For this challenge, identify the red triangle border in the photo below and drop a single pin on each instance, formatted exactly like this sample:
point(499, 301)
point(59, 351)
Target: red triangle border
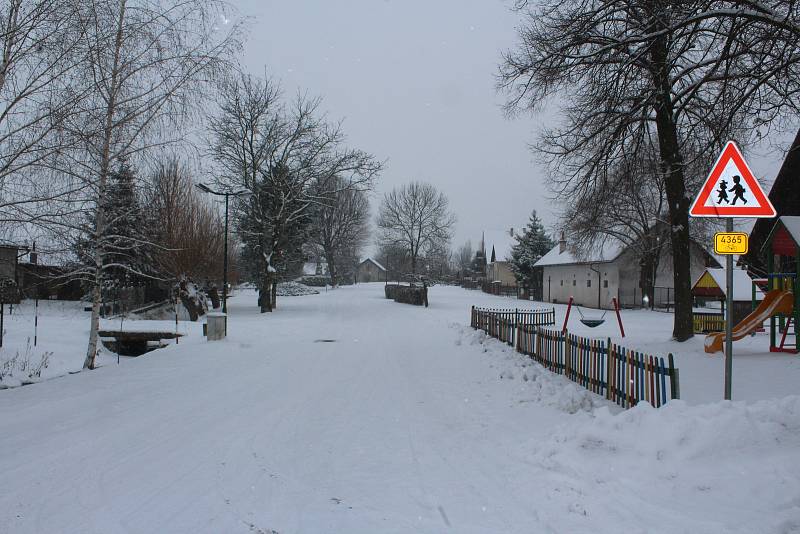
point(764, 208)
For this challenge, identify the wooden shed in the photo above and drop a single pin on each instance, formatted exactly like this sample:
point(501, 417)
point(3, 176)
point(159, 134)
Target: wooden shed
point(370, 270)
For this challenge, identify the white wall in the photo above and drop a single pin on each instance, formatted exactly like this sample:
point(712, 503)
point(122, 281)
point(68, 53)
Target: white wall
point(571, 280)
point(629, 275)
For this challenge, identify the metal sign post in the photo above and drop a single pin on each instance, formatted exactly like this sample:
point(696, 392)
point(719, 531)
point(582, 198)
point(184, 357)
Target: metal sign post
point(728, 316)
point(730, 191)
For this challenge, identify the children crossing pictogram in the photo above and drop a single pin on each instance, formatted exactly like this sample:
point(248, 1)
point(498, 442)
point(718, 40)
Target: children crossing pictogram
point(731, 190)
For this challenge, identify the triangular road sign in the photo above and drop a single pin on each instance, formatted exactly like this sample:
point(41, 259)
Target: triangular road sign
point(731, 190)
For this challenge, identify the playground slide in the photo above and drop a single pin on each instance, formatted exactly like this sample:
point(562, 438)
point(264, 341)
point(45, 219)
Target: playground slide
point(775, 302)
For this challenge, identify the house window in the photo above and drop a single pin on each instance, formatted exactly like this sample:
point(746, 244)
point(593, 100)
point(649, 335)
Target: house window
point(573, 283)
point(562, 283)
point(605, 283)
point(588, 283)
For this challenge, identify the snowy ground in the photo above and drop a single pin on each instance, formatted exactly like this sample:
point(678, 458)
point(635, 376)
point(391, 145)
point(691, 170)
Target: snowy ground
point(63, 334)
point(408, 422)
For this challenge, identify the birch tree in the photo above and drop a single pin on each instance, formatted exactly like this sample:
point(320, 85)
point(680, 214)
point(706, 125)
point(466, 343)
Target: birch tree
point(41, 45)
point(145, 67)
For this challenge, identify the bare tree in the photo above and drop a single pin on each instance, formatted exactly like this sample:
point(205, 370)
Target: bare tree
point(289, 159)
point(416, 218)
point(395, 260)
point(464, 257)
point(688, 74)
point(341, 226)
point(630, 209)
point(145, 66)
point(187, 230)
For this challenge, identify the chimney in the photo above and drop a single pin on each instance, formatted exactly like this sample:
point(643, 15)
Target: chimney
point(562, 243)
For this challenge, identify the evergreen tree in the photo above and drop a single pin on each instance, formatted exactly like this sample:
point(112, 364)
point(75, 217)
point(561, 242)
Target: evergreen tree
point(126, 253)
point(531, 245)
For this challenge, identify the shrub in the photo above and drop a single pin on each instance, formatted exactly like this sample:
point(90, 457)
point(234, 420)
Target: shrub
point(315, 280)
point(26, 369)
point(411, 295)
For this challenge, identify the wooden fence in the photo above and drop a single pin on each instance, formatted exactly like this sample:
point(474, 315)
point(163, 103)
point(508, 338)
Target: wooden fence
point(619, 374)
point(496, 288)
point(704, 323)
point(502, 323)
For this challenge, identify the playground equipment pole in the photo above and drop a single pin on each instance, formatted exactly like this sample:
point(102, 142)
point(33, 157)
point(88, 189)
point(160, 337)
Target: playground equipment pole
point(566, 317)
point(728, 315)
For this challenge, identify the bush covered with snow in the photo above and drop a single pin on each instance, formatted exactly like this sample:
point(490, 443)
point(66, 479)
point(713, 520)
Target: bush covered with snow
point(315, 280)
point(294, 289)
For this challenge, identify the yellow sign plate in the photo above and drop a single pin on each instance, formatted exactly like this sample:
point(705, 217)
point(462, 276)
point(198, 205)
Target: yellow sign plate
point(730, 243)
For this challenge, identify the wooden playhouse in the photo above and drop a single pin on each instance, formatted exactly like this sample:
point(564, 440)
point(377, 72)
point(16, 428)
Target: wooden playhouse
point(782, 249)
point(711, 286)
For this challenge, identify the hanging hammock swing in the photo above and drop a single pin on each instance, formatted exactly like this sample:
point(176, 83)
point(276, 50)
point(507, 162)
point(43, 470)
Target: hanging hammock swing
point(592, 323)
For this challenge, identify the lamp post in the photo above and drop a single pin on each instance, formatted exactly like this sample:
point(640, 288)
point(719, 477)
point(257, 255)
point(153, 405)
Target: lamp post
point(226, 194)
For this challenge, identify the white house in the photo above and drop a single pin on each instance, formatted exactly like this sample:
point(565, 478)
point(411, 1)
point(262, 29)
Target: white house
point(613, 271)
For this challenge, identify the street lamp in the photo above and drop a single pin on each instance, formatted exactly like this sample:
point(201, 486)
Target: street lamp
point(226, 194)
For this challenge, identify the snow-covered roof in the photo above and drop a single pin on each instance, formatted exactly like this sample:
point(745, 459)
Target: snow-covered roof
point(742, 284)
point(608, 252)
point(792, 225)
point(378, 265)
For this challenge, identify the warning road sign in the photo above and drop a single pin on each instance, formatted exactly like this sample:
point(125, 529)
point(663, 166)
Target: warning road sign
point(731, 190)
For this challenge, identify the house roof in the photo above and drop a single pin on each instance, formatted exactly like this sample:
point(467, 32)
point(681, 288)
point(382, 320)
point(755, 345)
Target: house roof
point(378, 265)
point(608, 252)
point(742, 284)
point(791, 223)
point(785, 196)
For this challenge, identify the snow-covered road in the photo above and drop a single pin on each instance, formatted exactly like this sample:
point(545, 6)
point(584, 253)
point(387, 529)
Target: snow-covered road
point(406, 422)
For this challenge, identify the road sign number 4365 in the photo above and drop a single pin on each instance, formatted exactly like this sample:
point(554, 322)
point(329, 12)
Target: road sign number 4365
point(730, 243)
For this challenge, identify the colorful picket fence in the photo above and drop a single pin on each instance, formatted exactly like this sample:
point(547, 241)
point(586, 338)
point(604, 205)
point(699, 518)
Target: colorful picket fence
point(619, 374)
point(502, 323)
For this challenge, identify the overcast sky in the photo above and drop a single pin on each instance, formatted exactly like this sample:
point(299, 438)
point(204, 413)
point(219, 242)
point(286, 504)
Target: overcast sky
point(414, 82)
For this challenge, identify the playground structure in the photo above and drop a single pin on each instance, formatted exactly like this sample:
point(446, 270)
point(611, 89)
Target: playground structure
point(711, 286)
point(593, 322)
point(780, 305)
